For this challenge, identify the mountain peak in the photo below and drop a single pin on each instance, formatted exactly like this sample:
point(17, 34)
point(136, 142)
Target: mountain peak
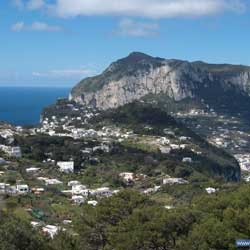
point(138, 56)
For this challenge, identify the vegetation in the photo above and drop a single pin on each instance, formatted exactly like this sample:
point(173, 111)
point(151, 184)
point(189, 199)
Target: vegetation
point(129, 220)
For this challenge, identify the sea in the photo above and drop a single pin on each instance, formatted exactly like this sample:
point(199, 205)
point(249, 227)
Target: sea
point(22, 106)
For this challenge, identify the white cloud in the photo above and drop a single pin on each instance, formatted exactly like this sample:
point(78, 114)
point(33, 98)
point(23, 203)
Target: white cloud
point(65, 73)
point(18, 26)
point(144, 8)
point(35, 4)
point(30, 4)
point(18, 3)
point(35, 26)
point(129, 27)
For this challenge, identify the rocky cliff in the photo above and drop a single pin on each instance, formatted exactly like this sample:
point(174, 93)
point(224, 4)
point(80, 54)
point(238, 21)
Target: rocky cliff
point(139, 75)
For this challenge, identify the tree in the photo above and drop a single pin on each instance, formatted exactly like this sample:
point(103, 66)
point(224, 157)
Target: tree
point(16, 234)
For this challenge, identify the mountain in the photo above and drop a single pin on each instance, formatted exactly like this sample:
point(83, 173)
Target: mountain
point(221, 86)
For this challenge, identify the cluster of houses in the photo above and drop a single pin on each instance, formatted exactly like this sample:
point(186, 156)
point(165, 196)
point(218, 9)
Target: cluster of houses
point(67, 129)
point(81, 194)
point(18, 189)
point(11, 151)
point(196, 113)
point(244, 161)
point(166, 144)
point(222, 131)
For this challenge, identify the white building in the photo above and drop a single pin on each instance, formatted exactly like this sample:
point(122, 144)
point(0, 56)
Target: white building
point(66, 166)
point(78, 189)
point(172, 181)
point(3, 187)
point(210, 190)
point(35, 224)
point(32, 170)
point(15, 152)
point(78, 199)
point(92, 203)
point(102, 192)
point(22, 189)
point(174, 146)
point(11, 151)
point(165, 150)
point(50, 230)
point(73, 183)
point(187, 160)
point(127, 176)
point(2, 161)
point(52, 182)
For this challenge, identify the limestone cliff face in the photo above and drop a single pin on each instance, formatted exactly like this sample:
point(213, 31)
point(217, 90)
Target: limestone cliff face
point(138, 75)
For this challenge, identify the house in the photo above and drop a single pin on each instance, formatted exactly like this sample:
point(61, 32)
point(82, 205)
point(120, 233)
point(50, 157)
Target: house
point(2, 161)
point(15, 152)
point(172, 181)
point(163, 141)
point(103, 148)
point(35, 224)
point(11, 190)
point(174, 146)
point(50, 230)
point(52, 182)
point(3, 187)
point(78, 199)
point(247, 179)
point(85, 192)
point(37, 190)
point(73, 183)
point(187, 160)
point(165, 150)
point(66, 222)
point(22, 188)
point(32, 170)
point(102, 192)
point(92, 202)
point(127, 176)
point(78, 189)
point(66, 166)
point(148, 191)
point(210, 190)
point(169, 207)
point(183, 138)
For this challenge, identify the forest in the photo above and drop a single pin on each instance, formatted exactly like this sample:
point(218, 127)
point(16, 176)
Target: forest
point(130, 220)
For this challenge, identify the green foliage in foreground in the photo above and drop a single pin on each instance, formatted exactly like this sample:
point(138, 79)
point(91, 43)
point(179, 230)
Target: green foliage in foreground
point(132, 221)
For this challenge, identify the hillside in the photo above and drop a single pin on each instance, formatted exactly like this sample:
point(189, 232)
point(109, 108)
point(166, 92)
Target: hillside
point(140, 130)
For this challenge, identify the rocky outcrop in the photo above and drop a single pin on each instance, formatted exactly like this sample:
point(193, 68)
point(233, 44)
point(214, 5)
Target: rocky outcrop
point(138, 75)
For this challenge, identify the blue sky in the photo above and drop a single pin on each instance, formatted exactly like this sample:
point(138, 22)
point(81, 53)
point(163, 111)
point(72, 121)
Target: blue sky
point(59, 42)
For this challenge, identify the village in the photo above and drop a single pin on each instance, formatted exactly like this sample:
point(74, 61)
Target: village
point(227, 132)
point(42, 190)
point(33, 185)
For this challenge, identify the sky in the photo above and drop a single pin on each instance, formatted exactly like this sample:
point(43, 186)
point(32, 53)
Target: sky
point(57, 43)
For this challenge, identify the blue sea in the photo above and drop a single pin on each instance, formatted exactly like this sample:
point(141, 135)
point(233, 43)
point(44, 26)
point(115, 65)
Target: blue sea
point(23, 105)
